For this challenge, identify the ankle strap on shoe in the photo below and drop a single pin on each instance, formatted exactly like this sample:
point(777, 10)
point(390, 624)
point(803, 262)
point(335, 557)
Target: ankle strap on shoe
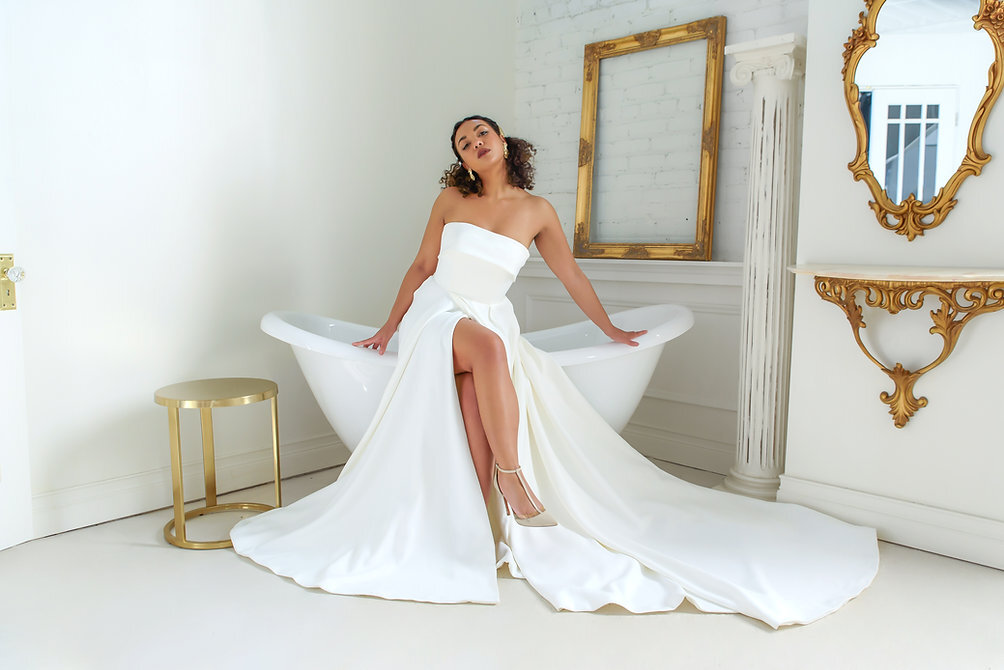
point(508, 472)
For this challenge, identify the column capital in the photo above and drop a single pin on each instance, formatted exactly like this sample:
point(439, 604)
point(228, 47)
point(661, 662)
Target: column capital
point(780, 56)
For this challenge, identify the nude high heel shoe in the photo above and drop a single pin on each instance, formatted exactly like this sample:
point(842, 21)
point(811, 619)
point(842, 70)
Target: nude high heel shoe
point(539, 520)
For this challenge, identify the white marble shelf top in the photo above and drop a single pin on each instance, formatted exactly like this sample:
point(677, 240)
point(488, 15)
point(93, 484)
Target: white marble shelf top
point(901, 273)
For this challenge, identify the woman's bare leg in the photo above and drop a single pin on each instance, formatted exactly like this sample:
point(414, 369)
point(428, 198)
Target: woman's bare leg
point(478, 350)
point(481, 451)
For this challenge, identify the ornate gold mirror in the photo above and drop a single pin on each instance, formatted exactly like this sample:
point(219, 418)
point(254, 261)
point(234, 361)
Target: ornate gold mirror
point(916, 84)
point(648, 149)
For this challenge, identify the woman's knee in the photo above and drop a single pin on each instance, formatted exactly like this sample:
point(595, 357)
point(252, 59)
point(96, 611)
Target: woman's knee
point(491, 350)
point(479, 346)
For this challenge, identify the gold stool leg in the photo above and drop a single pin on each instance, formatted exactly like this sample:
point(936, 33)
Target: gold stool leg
point(208, 455)
point(275, 450)
point(178, 488)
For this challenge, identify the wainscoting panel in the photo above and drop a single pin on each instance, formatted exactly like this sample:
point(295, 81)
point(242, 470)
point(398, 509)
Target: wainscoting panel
point(689, 413)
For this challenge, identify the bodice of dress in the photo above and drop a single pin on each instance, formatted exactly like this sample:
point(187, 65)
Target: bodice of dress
point(477, 264)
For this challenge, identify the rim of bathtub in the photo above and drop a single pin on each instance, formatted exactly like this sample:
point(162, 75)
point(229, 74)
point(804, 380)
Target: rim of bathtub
point(582, 341)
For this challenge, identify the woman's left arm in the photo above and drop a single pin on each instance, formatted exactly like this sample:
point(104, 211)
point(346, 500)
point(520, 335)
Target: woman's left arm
point(553, 248)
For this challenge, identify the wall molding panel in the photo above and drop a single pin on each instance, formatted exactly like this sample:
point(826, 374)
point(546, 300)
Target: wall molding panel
point(686, 399)
point(689, 414)
point(97, 502)
point(679, 448)
point(713, 273)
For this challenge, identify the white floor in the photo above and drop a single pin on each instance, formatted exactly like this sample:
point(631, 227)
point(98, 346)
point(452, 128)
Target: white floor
point(118, 596)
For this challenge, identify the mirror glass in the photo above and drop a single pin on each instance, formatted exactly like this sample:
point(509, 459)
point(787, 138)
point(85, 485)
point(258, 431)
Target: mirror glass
point(648, 145)
point(920, 88)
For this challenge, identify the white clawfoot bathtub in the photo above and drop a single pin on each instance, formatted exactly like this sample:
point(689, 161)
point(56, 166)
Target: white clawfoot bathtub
point(348, 382)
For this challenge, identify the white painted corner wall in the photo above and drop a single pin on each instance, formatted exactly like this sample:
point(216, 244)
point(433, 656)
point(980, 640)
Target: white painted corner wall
point(179, 168)
point(934, 483)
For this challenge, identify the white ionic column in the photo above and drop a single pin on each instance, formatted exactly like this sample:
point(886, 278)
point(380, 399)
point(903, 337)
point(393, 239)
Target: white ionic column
point(775, 66)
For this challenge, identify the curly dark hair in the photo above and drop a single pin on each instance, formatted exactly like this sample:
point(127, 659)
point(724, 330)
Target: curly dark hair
point(519, 164)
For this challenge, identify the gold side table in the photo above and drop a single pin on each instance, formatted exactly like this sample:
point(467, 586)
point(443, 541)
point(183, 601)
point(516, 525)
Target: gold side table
point(205, 394)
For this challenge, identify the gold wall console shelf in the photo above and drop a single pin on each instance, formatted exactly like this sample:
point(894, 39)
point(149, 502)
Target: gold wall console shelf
point(906, 112)
point(963, 293)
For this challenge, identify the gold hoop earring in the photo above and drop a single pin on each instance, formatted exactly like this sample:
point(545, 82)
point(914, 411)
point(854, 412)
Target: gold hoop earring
point(471, 173)
point(505, 148)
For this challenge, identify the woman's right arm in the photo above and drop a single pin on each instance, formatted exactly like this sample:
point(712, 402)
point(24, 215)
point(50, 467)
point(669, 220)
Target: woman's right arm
point(421, 269)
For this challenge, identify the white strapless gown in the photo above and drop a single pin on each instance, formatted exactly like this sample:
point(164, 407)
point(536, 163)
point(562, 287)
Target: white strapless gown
point(405, 519)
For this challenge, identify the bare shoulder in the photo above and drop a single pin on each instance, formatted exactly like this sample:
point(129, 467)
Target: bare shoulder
point(537, 206)
point(542, 212)
point(450, 194)
point(446, 200)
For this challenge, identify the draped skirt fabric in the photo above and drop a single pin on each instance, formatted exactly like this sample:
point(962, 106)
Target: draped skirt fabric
point(406, 520)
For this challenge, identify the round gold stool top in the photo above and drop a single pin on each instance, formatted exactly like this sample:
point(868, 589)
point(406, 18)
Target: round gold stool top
point(204, 395)
point(227, 392)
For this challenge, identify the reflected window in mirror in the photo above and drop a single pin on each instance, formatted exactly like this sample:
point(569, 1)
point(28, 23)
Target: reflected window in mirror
point(906, 145)
point(930, 68)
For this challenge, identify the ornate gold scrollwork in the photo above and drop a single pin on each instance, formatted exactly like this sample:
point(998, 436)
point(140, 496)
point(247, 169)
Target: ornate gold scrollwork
point(912, 217)
point(960, 302)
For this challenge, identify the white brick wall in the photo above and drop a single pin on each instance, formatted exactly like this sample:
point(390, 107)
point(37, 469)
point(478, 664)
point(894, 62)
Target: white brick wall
point(648, 145)
point(550, 38)
point(688, 415)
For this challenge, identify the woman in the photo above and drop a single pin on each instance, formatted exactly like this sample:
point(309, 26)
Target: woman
point(413, 514)
point(486, 188)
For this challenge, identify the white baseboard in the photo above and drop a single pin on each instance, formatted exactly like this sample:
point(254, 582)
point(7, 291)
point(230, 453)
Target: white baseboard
point(689, 450)
point(88, 504)
point(966, 536)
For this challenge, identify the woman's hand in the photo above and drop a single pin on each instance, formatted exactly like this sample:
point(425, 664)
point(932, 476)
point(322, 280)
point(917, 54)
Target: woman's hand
point(378, 341)
point(624, 336)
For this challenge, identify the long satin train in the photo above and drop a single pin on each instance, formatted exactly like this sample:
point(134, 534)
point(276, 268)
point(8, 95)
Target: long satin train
point(406, 520)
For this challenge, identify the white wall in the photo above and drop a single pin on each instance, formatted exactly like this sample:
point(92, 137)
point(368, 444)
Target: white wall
point(180, 168)
point(932, 484)
point(15, 488)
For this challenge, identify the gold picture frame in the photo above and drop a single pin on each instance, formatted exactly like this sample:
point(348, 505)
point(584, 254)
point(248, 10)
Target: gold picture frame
point(585, 244)
point(912, 217)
